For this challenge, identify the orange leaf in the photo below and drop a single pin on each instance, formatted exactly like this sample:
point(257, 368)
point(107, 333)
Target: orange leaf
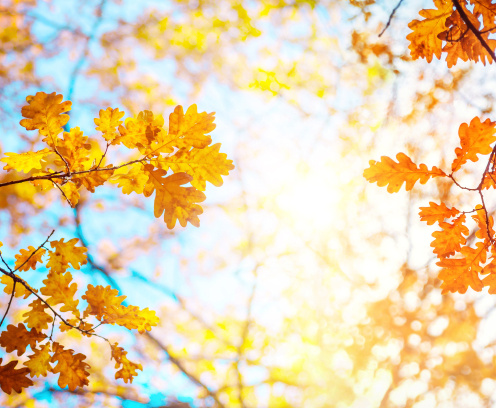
point(93, 179)
point(128, 370)
point(44, 113)
point(39, 362)
point(20, 290)
point(436, 213)
point(13, 379)
point(74, 147)
point(389, 173)
point(25, 255)
point(71, 367)
point(449, 240)
point(108, 122)
point(66, 253)
point(60, 291)
point(99, 298)
point(37, 317)
point(18, 338)
point(475, 139)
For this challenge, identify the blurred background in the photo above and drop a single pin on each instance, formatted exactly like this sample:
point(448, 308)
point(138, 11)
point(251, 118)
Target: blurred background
point(304, 286)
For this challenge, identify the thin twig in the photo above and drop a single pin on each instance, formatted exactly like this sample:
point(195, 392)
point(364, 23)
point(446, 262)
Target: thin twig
point(10, 302)
point(391, 18)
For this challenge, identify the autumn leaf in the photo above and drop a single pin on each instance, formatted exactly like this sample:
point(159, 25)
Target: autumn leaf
point(71, 367)
point(475, 139)
point(174, 201)
point(202, 164)
point(66, 253)
point(45, 113)
point(450, 238)
point(460, 273)
point(28, 258)
point(71, 191)
point(132, 181)
point(12, 378)
point(140, 131)
point(126, 316)
point(18, 338)
point(148, 319)
point(389, 173)
point(487, 10)
point(424, 41)
point(99, 298)
point(20, 289)
point(108, 122)
point(60, 291)
point(436, 213)
point(25, 162)
point(93, 179)
point(37, 318)
point(39, 362)
point(84, 326)
point(485, 223)
point(128, 370)
point(74, 148)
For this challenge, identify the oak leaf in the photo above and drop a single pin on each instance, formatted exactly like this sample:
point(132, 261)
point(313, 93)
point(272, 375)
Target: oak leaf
point(172, 200)
point(128, 370)
point(436, 213)
point(148, 319)
point(71, 367)
point(460, 273)
point(93, 179)
point(20, 289)
point(475, 139)
point(39, 362)
point(450, 239)
point(99, 298)
point(25, 162)
point(28, 258)
point(486, 9)
point(45, 113)
point(84, 326)
point(37, 318)
point(202, 164)
point(74, 147)
point(18, 338)
point(140, 131)
point(108, 121)
point(12, 378)
point(424, 41)
point(66, 253)
point(60, 291)
point(132, 181)
point(389, 173)
point(71, 192)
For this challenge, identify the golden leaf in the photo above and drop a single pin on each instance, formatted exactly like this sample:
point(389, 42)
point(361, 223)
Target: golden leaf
point(424, 41)
point(74, 147)
point(389, 173)
point(202, 164)
point(450, 238)
point(93, 179)
point(20, 289)
point(60, 291)
point(134, 180)
point(71, 367)
point(25, 162)
point(13, 379)
point(45, 113)
point(108, 122)
point(436, 213)
point(66, 253)
point(174, 201)
point(71, 191)
point(474, 139)
point(18, 338)
point(25, 254)
point(39, 362)
point(37, 318)
point(99, 298)
point(128, 370)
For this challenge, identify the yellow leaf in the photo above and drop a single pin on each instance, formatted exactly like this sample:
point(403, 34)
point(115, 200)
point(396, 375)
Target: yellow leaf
point(174, 201)
point(25, 162)
point(134, 180)
point(24, 260)
point(71, 367)
point(148, 319)
point(74, 147)
point(71, 192)
point(66, 253)
point(60, 291)
point(45, 113)
point(20, 290)
point(93, 179)
point(108, 122)
point(140, 131)
point(128, 370)
point(99, 298)
point(389, 173)
point(474, 139)
point(202, 164)
point(424, 41)
point(18, 338)
point(13, 379)
point(39, 362)
point(37, 317)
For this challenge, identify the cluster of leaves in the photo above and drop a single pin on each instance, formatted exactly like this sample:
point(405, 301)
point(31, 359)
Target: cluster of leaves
point(459, 28)
point(184, 148)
